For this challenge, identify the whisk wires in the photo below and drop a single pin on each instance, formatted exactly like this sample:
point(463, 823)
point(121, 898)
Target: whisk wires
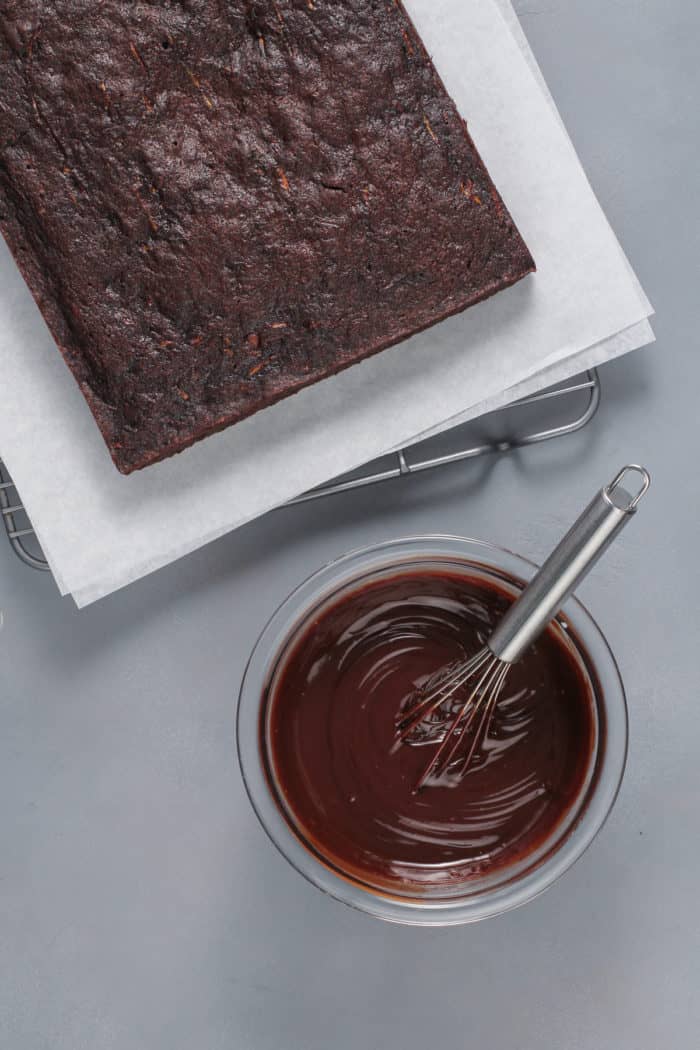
point(469, 727)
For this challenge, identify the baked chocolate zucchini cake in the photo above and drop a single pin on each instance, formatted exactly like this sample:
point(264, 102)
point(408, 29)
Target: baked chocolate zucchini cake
point(218, 202)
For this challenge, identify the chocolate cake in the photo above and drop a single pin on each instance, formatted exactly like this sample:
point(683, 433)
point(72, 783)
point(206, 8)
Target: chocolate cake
point(218, 202)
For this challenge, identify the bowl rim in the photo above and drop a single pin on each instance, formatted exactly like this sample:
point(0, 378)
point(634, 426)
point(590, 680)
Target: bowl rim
point(280, 628)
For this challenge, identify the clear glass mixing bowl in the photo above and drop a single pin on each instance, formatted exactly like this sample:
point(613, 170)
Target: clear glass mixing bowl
point(482, 896)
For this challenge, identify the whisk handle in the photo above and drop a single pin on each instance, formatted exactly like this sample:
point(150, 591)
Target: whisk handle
point(599, 525)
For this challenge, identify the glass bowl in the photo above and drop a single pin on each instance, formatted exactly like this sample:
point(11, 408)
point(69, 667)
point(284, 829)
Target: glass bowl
point(484, 895)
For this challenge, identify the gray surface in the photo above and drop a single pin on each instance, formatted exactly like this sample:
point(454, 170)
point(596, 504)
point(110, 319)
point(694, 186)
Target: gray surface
point(140, 904)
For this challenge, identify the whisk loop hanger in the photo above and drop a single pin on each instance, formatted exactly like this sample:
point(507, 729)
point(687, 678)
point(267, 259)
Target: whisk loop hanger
point(485, 674)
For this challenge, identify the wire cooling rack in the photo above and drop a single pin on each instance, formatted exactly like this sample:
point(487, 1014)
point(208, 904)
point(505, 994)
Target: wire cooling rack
point(578, 398)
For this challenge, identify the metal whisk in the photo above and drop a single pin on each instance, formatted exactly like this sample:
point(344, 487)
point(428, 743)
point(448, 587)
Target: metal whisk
point(485, 674)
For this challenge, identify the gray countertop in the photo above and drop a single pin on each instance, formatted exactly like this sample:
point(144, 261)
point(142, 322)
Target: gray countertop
point(141, 906)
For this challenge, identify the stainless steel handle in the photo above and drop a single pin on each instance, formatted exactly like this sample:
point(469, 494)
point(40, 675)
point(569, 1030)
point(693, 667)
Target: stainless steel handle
point(600, 524)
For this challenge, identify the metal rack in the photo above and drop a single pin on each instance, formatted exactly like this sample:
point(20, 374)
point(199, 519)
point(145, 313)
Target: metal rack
point(402, 463)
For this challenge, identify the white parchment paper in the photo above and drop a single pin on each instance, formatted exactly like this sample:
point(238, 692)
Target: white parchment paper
point(101, 530)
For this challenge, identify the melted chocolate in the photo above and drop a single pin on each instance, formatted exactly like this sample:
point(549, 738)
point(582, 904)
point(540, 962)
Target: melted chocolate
point(330, 740)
